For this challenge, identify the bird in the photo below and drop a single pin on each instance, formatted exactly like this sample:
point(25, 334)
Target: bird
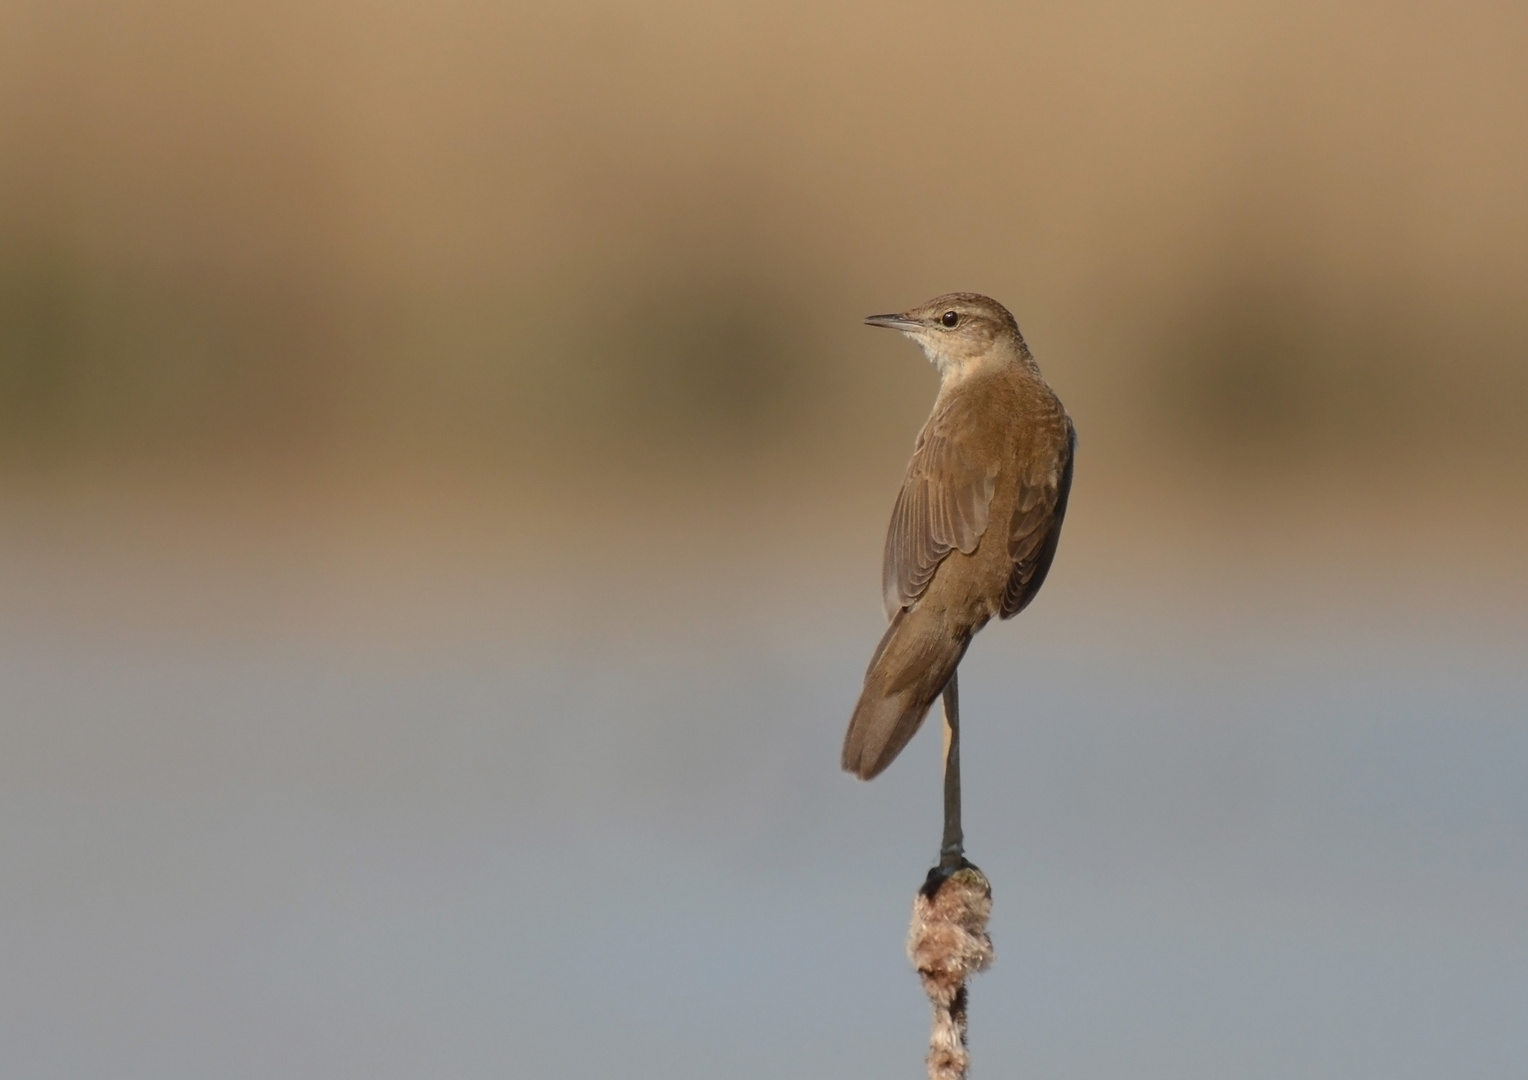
point(974, 528)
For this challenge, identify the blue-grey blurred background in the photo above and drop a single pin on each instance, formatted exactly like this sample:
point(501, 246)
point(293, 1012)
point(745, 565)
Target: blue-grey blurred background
point(442, 480)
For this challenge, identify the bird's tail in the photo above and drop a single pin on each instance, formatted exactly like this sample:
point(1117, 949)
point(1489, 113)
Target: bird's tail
point(914, 660)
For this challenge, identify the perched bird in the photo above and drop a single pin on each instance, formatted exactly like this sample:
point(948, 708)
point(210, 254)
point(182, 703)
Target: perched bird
point(975, 525)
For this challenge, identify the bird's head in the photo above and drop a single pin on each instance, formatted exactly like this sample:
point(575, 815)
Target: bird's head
point(959, 332)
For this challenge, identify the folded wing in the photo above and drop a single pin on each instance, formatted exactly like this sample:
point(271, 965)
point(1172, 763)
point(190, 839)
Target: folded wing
point(1035, 527)
point(944, 505)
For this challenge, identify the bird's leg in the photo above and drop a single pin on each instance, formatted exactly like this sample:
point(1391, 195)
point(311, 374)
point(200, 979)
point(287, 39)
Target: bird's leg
point(952, 848)
point(948, 941)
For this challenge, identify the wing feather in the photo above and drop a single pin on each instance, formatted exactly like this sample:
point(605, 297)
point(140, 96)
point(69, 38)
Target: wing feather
point(944, 506)
point(1035, 528)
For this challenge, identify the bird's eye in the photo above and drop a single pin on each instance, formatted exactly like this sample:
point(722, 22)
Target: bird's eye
point(950, 319)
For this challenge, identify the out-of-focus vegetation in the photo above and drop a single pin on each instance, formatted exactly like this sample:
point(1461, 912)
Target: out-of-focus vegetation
point(442, 485)
point(1256, 241)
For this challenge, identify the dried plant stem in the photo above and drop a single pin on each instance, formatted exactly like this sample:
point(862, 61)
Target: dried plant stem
point(948, 940)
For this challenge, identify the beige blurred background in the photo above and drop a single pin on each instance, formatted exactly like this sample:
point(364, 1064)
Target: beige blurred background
point(434, 427)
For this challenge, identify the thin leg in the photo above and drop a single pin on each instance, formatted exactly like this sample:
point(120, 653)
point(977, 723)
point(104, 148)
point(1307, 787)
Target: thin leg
point(952, 849)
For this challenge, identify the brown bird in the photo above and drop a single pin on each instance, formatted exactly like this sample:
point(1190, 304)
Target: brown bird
point(975, 525)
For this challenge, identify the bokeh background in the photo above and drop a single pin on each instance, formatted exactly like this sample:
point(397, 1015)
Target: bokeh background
point(442, 480)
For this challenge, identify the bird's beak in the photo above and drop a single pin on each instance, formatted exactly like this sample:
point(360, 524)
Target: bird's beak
point(894, 322)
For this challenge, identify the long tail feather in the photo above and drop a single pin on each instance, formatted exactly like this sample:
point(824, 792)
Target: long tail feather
point(911, 666)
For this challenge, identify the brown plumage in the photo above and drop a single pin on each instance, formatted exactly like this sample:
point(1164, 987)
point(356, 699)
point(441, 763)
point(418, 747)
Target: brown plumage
point(976, 523)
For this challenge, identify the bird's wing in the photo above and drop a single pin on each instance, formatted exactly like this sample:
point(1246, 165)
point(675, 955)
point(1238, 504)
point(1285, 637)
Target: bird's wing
point(944, 504)
point(1035, 527)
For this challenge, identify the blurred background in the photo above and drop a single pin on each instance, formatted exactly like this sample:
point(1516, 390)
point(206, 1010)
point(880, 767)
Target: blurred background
point(442, 482)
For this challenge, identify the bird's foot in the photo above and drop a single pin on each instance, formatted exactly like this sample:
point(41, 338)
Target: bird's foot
point(950, 864)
